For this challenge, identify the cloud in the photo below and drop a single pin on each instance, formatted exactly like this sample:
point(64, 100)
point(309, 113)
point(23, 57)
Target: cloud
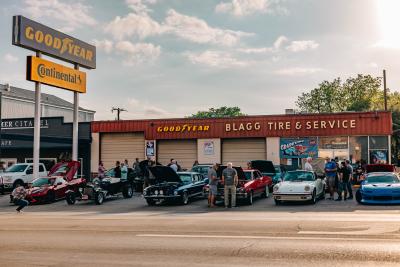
point(297, 71)
point(143, 109)
point(136, 25)
point(280, 41)
point(10, 58)
point(137, 53)
point(297, 46)
point(262, 50)
point(198, 31)
point(140, 6)
point(73, 15)
point(155, 111)
point(241, 8)
point(105, 45)
point(218, 59)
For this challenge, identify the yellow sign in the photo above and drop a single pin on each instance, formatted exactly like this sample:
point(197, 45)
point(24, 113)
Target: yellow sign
point(183, 128)
point(47, 72)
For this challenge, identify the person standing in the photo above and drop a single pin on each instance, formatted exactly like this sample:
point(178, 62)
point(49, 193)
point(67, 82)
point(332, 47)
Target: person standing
point(307, 165)
point(117, 169)
point(174, 166)
point(196, 162)
point(124, 172)
point(230, 181)
point(101, 170)
point(349, 184)
point(343, 179)
point(126, 163)
point(19, 195)
point(330, 173)
point(213, 185)
point(136, 166)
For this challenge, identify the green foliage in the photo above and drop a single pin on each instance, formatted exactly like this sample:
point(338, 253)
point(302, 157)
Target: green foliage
point(219, 113)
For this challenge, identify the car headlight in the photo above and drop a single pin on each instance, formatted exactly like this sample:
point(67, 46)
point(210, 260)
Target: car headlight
point(307, 188)
point(276, 188)
point(161, 192)
point(175, 193)
point(156, 192)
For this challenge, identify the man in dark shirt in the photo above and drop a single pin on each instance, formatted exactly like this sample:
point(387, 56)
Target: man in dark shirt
point(343, 179)
point(117, 170)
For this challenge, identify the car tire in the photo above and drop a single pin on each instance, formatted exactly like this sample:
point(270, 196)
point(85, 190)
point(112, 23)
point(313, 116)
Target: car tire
point(250, 198)
point(314, 197)
point(358, 197)
point(127, 192)
point(99, 198)
point(70, 198)
point(50, 197)
point(266, 192)
point(277, 202)
point(150, 202)
point(17, 183)
point(185, 198)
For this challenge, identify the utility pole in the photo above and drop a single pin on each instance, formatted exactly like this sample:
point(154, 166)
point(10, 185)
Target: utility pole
point(119, 110)
point(384, 89)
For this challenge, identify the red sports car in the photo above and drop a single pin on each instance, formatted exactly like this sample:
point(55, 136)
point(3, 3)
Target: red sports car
point(53, 187)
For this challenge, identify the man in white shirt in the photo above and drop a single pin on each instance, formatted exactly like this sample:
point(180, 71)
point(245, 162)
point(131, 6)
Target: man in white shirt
point(308, 166)
point(174, 166)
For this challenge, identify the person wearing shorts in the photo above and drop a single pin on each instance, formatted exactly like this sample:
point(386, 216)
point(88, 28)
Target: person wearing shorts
point(330, 173)
point(213, 185)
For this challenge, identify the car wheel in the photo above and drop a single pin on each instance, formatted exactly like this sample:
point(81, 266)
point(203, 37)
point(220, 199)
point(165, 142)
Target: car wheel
point(358, 197)
point(277, 202)
point(17, 184)
point(70, 198)
point(185, 198)
point(150, 202)
point(266, 192)
point(99, 198)
point(51, 197)
point(127, 192)
point(314, 197)
point(250, 198)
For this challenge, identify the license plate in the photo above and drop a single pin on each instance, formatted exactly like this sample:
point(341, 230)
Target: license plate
point(85, 197)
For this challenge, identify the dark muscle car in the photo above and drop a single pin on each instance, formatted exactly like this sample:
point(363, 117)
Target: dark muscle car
point(169, 185)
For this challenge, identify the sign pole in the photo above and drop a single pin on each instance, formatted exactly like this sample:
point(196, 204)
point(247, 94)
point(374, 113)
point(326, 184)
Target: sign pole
point(75, 123)
point(36, 132)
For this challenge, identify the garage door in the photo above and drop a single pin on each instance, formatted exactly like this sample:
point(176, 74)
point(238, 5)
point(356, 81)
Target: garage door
point(240, 151)
point(121, 146)
point(184, 151)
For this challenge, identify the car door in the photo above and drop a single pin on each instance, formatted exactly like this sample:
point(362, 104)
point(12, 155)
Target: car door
point(265, 181)
point(199, 183)
point(28, 174)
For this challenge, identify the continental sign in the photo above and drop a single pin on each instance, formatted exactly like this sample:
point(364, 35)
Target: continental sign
point(47, 72)
point(38, 37)
point(183, 128)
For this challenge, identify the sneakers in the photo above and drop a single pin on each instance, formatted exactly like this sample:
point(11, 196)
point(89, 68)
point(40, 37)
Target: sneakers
point(350, 197)
point(338, 199)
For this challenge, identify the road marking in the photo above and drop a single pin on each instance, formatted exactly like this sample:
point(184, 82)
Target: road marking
point(267, 237)
point(372, 230)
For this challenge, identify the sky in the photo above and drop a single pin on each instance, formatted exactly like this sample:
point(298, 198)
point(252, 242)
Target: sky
point(171, 58)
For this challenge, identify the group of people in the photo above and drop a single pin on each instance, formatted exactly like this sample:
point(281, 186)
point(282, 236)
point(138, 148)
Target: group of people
point(229, 179)
point(121, 169)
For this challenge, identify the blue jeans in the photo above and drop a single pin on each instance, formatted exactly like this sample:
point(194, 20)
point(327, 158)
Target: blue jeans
point(21, 203)
point(349, 188)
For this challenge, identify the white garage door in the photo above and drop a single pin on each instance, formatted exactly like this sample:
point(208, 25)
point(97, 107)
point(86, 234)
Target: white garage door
point(121, 146)
point(240, 151)
point(184, 151)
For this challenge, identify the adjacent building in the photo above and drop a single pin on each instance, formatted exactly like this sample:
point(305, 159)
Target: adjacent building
point(284, 139)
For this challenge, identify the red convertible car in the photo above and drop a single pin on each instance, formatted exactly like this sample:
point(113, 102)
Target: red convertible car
point(54, 186)
point(251, 184)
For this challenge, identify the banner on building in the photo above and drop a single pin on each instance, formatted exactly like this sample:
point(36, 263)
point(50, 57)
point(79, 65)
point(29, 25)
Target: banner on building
point(150, 148)
point(208, 148)
point(298, 148)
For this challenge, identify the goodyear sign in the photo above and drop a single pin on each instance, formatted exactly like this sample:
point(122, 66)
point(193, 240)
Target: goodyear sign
point(47, 72)
point(38, 37)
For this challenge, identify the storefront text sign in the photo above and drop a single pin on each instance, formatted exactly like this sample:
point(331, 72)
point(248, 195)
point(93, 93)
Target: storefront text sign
point(183, 128)
point(47, 72)
point(22, 124)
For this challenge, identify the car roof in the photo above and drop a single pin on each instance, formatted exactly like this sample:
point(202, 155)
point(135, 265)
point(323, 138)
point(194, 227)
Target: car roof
point(188, 173)
point(380, 173)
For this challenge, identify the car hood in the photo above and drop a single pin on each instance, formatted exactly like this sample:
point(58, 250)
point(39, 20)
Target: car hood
point(11, 174)
point(380, 168)
point(38, 189)
point(73, 167)
point(381, 186)
point(294, 187)
point(264, 166)
point(165, 174)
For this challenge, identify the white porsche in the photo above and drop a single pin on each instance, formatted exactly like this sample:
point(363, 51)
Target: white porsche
point(299, 186)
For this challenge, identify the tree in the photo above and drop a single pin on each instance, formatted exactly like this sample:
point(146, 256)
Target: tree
point(355, 94)
point(219, 113)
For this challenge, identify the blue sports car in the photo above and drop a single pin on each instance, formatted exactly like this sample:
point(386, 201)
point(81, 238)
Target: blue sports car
point(379, 188)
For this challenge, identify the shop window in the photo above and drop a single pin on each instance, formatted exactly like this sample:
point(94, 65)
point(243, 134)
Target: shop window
point(378, 142)
point(358, 148)
point(338, 142)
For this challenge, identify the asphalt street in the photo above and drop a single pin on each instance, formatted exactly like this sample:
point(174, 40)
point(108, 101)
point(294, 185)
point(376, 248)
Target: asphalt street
point(127, 232)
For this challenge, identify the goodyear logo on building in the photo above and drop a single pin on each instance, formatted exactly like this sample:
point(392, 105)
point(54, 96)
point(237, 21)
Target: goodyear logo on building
point(35, 36)
point(183, 128)
point(47, 72)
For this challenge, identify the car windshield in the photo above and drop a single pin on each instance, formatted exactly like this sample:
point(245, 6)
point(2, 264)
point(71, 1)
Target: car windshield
point(383, 179)
point(17, 168)
point(247, 175)
point(42, 181)
point(277, 169)
point(298, 176)
point(62, 170)
point(186, 178)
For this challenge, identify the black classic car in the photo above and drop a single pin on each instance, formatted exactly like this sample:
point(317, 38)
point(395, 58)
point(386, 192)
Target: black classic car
point(169, 185)
point(100, 189)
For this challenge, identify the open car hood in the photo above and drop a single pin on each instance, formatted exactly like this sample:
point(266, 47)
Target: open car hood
point(238, 169)
point(380, 168)
point(165, 174)
point(65, 169)
point(264, 166)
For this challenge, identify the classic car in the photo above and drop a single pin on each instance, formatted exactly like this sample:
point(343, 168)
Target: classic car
point(380, 185)
point(299, 186)
point(101, 189)
point(267, 168)
point(54, 187)
point(169, 185)
point(251, 183)
point(202, 169)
